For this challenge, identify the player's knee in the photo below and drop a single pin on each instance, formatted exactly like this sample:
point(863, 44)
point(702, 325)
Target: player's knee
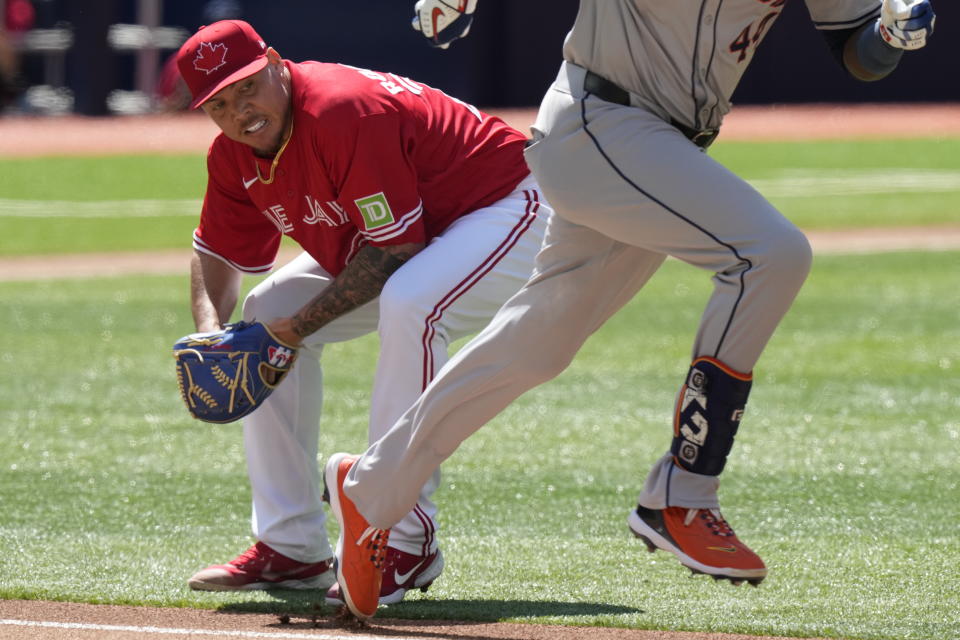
point(279, 296)
point(543, 365)
point(253, 304)
point(777, 262)
point(405, 309)
point(793, 255)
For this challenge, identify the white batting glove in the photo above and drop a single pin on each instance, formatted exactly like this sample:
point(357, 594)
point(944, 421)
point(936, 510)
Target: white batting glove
point(443, 21)
point(906, 24)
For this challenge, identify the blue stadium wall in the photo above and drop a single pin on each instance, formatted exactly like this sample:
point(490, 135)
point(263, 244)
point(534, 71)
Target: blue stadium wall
point(514, 49)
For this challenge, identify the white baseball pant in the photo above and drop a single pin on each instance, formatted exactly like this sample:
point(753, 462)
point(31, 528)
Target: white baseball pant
point(447, 291)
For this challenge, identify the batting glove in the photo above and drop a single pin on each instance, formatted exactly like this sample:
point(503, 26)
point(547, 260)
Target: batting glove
point(906, 24)
point(443, 21)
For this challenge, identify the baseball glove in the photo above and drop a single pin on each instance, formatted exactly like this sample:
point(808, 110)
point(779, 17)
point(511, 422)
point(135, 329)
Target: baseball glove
point(224, 375)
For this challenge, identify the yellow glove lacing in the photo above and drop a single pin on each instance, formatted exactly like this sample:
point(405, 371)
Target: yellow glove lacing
point(238, 382)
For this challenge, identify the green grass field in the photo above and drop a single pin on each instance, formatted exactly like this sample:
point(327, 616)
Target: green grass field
point(57, 205)
point(844, 477)
point(845, 474)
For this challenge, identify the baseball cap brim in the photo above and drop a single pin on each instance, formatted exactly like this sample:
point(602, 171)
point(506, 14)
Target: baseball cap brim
point(239, 74)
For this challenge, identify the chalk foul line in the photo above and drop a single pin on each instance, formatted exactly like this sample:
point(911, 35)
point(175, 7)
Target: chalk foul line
point(190, 632)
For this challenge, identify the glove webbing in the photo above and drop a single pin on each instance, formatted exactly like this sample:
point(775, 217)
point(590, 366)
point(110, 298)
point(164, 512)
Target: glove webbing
point(240, 381)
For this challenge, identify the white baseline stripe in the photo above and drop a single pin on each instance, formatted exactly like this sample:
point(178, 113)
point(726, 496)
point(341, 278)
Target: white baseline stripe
point(168, 631)
point(99, 209)
point(790, 183)
point(797, 183)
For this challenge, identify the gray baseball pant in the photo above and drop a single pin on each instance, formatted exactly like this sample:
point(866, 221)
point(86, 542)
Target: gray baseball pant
point(627, 189)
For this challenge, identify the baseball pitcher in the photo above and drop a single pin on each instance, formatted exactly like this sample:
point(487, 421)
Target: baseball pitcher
point(418, 218)
point(619, 151)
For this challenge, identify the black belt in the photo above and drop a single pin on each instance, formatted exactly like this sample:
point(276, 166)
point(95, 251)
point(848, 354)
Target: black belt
point(608, 91)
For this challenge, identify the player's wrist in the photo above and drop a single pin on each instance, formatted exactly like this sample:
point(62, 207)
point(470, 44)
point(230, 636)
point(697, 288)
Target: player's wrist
point(874, 54)
point(879, 43)
point(282, 330)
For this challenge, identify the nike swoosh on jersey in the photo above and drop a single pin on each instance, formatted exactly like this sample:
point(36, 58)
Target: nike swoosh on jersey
point(401, 578)
point(249, 183)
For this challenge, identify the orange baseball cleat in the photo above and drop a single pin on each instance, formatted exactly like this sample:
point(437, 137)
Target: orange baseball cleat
point(361, 549)
point(402, 572)
point(701, 539)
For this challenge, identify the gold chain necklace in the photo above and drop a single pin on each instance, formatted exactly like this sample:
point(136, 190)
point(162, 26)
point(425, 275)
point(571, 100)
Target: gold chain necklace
point(276, 159)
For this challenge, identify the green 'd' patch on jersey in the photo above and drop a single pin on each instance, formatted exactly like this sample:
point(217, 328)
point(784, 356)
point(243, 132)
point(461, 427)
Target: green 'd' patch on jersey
point(375, 211)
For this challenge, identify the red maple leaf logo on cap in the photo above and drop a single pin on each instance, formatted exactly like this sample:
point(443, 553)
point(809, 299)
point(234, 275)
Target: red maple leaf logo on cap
point(210, 57)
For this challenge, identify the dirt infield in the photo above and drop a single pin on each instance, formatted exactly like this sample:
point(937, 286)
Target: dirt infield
point(33, 620)
point(21, 137)
point(174, 262)
point(193, 132)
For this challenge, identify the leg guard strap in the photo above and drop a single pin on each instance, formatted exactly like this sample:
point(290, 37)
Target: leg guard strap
point(709, 407)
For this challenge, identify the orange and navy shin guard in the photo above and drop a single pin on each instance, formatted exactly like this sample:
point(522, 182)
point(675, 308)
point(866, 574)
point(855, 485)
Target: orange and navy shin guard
point(709, 408)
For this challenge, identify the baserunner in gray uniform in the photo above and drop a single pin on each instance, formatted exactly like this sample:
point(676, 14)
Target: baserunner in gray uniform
point(619, 150)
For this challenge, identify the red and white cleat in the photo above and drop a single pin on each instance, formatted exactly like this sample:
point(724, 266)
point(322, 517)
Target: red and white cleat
point(260, 567)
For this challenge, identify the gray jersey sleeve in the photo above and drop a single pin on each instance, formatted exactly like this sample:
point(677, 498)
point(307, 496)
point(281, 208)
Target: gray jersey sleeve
point(831, 15)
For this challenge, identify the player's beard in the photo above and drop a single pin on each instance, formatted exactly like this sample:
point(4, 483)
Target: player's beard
point(286, 130)
point(282, 135)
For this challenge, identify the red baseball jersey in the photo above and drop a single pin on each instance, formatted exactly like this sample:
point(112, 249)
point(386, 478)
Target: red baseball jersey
point(374, 158)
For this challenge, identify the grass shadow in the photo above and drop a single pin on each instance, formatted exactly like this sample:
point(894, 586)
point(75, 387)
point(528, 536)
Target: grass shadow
point(496, 610)
point(298, 603)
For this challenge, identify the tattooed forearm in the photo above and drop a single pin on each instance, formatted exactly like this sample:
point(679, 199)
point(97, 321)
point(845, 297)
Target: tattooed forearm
point(360, 282)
